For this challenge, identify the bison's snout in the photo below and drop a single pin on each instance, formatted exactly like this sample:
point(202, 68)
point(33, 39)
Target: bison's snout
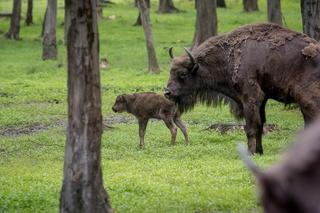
point(114, 109)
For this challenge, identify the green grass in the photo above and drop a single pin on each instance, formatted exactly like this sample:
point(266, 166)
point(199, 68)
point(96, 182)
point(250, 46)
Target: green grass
point(204, 177)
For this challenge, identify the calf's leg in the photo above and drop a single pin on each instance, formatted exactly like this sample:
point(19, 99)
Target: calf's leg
point(142, 130)
point(183, 128)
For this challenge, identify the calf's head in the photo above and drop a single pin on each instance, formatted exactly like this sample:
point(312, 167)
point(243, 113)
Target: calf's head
point(184, 80)
point(120, 105)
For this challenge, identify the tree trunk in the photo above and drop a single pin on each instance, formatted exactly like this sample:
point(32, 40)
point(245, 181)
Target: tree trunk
point(49, 36)
point(145, 19)
point(99, 10)
point(44, 22)
point(167, 6)
point(221, 3)
point(250, 5)
point(138, 21)
point(14, 30)
point(206, 21)
point(82, 189)
point(29, 19)
point(310, 10)
point(274, 11)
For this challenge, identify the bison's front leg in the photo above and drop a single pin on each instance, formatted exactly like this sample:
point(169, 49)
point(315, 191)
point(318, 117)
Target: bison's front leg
point(254, 124)
point(142, 130)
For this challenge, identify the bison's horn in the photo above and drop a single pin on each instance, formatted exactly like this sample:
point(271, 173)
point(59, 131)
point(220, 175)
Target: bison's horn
point(193, 61)
point(244, 154)
point(171, 53)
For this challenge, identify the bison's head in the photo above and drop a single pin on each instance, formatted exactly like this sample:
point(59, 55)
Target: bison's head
point(183, 81)
point(120, 105)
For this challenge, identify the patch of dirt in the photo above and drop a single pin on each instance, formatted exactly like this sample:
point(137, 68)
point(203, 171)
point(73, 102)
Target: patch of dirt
point(14, 131)
point(225, 128)
point(118, 119)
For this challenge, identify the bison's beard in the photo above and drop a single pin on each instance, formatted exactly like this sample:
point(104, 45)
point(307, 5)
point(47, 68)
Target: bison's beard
point(186, 103)
point(210, 98)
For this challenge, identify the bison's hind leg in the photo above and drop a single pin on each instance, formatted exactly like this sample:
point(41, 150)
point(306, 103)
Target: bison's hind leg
point(177, 120)
point(167, 117)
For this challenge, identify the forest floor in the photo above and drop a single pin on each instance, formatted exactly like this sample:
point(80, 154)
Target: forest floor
point(206, 176)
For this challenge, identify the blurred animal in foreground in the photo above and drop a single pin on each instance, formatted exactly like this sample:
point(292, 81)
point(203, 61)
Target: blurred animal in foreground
point(151, 105)
point(245, 68)
point(293, 185)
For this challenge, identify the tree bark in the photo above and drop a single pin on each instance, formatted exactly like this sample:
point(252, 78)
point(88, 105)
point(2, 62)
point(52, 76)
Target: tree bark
point(145, 19)
point(29, 19)
point(274, 11)
point(206, 21)
point(138, 21)
point(82, 189)
point(310, 10)
point(250, 5)
point(14, 29)
point(167, 6)
point(49, 36)
point(221, 3)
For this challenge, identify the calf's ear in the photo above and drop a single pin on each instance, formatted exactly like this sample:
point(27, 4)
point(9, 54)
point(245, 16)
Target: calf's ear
point(123, 98)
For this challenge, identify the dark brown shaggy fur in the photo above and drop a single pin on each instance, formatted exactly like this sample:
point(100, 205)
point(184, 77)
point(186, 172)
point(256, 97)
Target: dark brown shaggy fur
point(249, 66)
point(293, 184)
point(151, 105)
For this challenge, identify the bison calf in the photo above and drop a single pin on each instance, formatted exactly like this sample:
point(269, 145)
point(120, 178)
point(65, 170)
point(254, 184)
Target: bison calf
point(293, 184)
point(151, 105)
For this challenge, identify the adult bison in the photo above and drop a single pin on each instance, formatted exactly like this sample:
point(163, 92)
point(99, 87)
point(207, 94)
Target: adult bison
point(248, 66)
point(293, 184)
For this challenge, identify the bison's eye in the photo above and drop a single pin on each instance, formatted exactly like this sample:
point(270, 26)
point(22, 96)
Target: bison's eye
point(183, 75)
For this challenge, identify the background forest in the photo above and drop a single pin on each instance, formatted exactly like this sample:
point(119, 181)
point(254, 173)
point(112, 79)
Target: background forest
point(207, 176)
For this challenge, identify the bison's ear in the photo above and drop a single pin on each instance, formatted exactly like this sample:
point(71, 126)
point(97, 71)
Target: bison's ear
point(194, 68)
point(245, 156)
point(171, 53)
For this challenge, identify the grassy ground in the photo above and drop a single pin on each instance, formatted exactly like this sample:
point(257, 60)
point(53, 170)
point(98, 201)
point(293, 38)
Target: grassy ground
point(204, 177)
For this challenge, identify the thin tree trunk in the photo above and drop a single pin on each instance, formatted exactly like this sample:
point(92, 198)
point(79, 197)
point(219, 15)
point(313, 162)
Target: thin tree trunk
point(44, 22)
point(145, 19)
point(138, 21)
point(310, 10)
point(82, 189)
point(167, 6)
point(29, 19)
point(67, 23)
point(250, 5)
point(206, 21)
point(221, 3)
point(14, 29)
point(49, 36)
point(274, 11)
point(99, 10)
